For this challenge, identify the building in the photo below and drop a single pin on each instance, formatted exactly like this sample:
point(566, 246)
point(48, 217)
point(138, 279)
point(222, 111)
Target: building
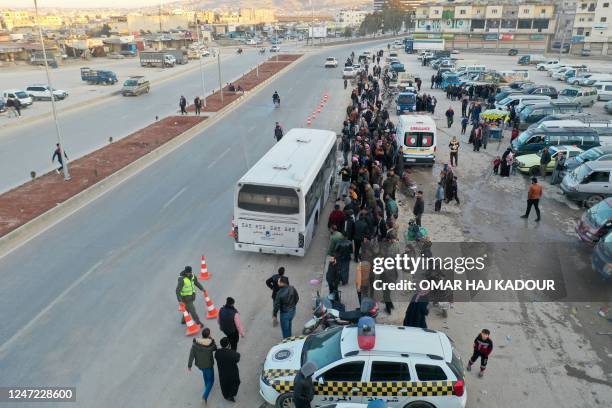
point(528, 25)
point(592, 30)
point(350, 18)
point(406, 5)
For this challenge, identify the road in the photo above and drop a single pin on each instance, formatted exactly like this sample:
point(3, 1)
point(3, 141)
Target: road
point(88, 128)
point(100, 313)
point(90, 302)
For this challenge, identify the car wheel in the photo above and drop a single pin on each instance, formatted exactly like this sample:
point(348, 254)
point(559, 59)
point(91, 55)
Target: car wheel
point(285, 401)
point(419, 404)
point(592, 200)
point(534, 171)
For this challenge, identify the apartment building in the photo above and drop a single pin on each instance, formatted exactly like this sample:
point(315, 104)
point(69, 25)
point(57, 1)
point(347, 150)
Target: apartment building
point(526, 25)
point(406, 5)
point(592, 27)
point(350, 18)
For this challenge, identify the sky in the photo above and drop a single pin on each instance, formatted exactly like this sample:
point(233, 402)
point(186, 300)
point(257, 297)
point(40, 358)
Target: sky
point(79, 3)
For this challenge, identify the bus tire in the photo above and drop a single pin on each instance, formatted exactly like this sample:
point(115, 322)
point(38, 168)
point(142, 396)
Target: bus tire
point(285, 401)
point(419, 404)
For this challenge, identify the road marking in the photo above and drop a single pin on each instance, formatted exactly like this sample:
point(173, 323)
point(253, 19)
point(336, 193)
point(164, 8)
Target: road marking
point(174, 197)
point(55, 301)
point(251, 129)
point(219, 158)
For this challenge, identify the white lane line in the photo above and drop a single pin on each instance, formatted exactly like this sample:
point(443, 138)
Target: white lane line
point(55, 301)
point(251, 129)
point(174, 197)
point(219, 158)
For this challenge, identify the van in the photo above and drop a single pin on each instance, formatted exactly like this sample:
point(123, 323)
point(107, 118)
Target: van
point(583, 96)
point(471, 68)
point(513, 100)
point(527, 102)
point(573, 72)
point(533, 113)
point(135, 85)
point(562, 117)
point(604, 90)
point(24, 98)
point(418, 136)
point(531, 59)
point(535, 139)
point(589, 183)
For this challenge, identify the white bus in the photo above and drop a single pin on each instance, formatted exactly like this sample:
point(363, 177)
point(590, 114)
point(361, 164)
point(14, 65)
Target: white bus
point(279, 201)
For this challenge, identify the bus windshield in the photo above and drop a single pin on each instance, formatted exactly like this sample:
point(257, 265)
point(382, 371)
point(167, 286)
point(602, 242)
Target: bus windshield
point(418, 139)
point(266, 199)
point(406, 99)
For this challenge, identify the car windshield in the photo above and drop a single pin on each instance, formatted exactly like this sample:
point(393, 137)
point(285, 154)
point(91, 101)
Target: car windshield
point(580, 173)
point(330, 59)
point(589, 155)
point(406, 99)
point(323, 348)
point(524, 137)
point(568, 92)
point(526, 111)
point(599, 214)
point(21, 94)
point(130, 82)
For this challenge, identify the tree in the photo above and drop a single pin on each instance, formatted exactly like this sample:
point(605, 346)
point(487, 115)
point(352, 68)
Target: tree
point(106, 30)
point(348, 32)
point(389, 19)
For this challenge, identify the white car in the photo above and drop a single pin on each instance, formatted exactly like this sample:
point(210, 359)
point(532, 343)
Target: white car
point(43, 92)
point(275, 48)
point(403, 366)
point(251, 41)
point(543, 66)
point(349, 72)
point(331, 62)
point(24, 98)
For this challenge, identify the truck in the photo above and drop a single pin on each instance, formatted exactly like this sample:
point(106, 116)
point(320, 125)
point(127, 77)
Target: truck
point(531, 59)
point(38, 58)
point(156, 59)
point(427, 44)
point(98, 76)
point(180, 56)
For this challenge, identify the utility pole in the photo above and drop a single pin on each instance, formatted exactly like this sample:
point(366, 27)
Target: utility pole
point(200, 57)
point(219, 70)
point(160, 15)
point(57, 128)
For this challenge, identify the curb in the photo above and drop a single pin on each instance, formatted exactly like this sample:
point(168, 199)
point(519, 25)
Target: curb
point(36, 226)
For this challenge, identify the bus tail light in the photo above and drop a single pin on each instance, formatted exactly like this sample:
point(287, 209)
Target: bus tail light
point(301, 240)
point(458, 388)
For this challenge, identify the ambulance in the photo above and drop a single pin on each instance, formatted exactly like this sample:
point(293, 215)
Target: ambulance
point(407, 367)
point(417, 134)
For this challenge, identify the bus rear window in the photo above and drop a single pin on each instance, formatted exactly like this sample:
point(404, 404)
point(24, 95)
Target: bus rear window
point(266, 199)
point(418, 139)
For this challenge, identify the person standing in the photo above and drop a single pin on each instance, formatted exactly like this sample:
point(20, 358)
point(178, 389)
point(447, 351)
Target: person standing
point(454, 151)
point(464, 123)
point(227, 365)
point(285, 303)
point(230, 323)
point(342, 255)
point(335, 237)
point(202, 352)
point(464, 105)
point(336, 217)
point(197, 102)
point(278, 132)
point(454, 189)
point(390, 183)
point(345, 181)
point(17, 106)
point(556, 176)
point(359, 234)
point(439, 197)
point(544, 160)
point(417, 311)
point(433, 81)
point(450, 116)
point(533, 198)
point(303, 386)
point(57, 153)
point(183, 105)
point(434, 102)
point(332, 276)
point(185, 292)
point(483, 346)
point(272, 281)
point(419, 207)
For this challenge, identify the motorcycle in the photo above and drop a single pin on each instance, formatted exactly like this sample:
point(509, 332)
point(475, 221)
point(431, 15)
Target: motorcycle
point(330, 312)
point(239, 51)
point(276, 102)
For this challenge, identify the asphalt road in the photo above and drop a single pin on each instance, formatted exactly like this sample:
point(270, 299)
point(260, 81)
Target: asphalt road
point(30, 146)
point(90, 302)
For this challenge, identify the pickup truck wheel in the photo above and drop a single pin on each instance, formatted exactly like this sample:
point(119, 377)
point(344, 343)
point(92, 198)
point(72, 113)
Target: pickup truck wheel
point(419, 404)
point(285, 401)
point(592, 200)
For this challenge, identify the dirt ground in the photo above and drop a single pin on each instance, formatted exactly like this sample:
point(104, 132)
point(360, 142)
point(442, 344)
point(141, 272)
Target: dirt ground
point(28, 201)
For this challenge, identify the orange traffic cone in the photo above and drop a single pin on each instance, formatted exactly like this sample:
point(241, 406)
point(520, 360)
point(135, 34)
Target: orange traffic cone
point(204, 274)
point(232, 232)
point(192, 327)
point(182, 307)
point(210, 306)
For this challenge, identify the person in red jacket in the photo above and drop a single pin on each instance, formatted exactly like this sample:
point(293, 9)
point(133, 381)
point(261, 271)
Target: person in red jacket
point(483, 346)
point(336, 218)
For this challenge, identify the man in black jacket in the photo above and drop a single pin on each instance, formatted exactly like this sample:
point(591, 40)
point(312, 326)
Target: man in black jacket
point(332, 276)
point(362, 229)
point(419, 207)
point(230, 323)
point(286, 301)
point(272, 282)
point(185, 293)
point(227, 365)
point(342, 255)
point(303, 387)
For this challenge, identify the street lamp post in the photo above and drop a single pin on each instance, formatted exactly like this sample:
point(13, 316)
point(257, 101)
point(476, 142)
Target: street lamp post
point(219, 71)
point(57, 127)
point(200, 57)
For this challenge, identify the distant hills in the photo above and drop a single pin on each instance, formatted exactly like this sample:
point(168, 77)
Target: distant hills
point(282, 6)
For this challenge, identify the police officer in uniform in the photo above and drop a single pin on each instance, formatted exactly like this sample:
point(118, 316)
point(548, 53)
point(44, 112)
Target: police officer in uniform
point(185, 292)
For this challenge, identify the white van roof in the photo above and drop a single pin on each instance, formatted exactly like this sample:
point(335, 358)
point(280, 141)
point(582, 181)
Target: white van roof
point(406, 121)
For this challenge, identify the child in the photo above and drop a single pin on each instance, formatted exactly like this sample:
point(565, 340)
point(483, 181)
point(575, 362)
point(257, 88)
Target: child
point(439, 197)
point(464, 123)
point(496, 164)
point(483, 346)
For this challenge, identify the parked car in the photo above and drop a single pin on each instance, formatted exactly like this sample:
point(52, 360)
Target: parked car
point(604, 90)
point(603, 153)
point(541, 90)
point(535, 112)
point(583, 96)
point(43, 92)
point(135, 86)
point(595, 222)
point(585, 53)
point(543, 66)
point(601, 260)
point(535, 139)
point(24, 98)
point(608, 106)
point(530, 163)
point(331, 62)
point(349, 72)
point(275, 48)
point(397, 66)
point(512, 52)
point(589, 183)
